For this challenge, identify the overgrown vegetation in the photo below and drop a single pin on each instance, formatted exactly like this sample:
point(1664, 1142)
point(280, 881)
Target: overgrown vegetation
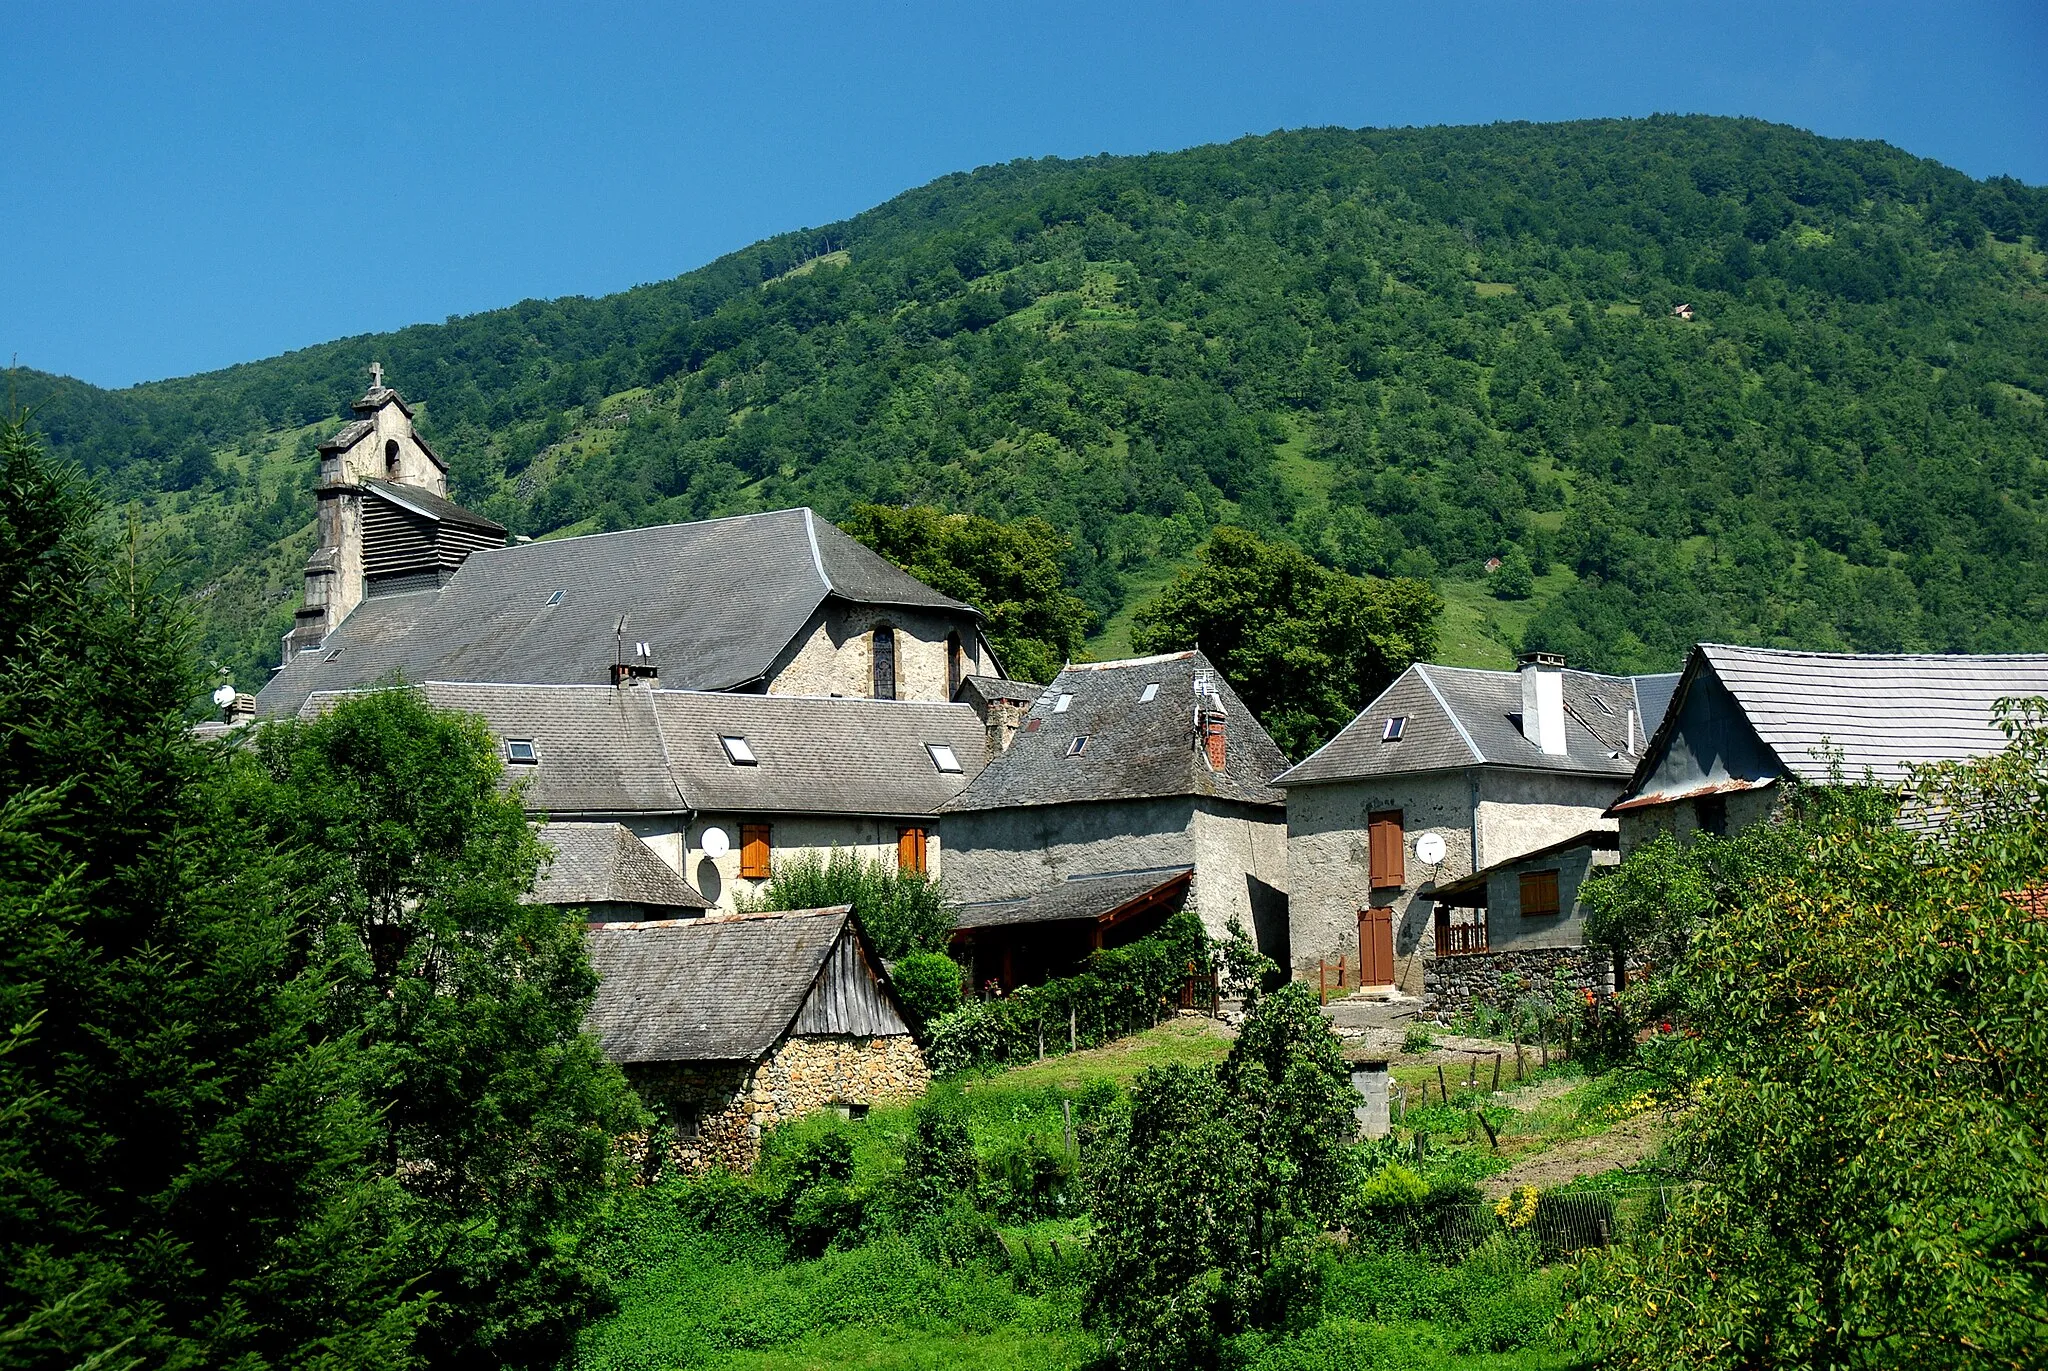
point(1404, 351)
point(291, 1075)
point(900, 911)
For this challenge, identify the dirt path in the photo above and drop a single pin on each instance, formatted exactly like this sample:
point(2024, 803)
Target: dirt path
point(1625, 1144)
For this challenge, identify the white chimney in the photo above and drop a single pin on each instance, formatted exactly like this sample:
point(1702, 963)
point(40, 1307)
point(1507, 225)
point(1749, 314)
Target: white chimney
point(1543, 701)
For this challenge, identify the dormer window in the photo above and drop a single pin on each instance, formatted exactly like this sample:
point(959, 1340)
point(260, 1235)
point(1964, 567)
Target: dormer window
point(521, 752)
point(1395, 727)
point(736, 750)
point(1078, 746)
point(943, 757)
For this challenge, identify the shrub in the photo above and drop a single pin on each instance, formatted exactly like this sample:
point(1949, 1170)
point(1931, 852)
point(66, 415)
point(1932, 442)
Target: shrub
point(928, 984)
point(939, 1163)
point(900, 911)
point(1417, 1040)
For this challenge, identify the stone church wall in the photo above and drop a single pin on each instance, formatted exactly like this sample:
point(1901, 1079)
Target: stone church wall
point(718, 1111)
point(835, 653)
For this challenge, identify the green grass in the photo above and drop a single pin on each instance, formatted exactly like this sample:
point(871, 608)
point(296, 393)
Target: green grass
point(1113, 639)
point(1196, 1042)
point(1479, 630)
point(863, 1351)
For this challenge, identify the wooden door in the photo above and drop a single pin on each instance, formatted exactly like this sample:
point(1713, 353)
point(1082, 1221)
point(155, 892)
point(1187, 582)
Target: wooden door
point(1376, 946)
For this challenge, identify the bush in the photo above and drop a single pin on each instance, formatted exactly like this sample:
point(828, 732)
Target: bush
point(900, 911)
point(928, 985)
point(1417, 1040)
point(939, 1163)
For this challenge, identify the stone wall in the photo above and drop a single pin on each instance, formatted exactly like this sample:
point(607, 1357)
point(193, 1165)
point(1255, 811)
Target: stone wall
point(719, 1111)
point(1452, 985)
point(834, 655)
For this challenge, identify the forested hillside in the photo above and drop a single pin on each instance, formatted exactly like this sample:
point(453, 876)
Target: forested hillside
point(1404, 350)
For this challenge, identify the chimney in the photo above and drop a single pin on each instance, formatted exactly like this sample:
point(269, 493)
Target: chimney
point(1209, 726)
point(641, 668)
point(1543, 701)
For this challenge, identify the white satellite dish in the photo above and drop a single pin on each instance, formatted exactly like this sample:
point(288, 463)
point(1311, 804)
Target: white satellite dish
point(1429, 849)
point(714, 842)
point(224, 696)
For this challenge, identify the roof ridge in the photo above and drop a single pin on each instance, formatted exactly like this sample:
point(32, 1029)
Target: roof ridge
point(1422, 670)
point(1153, 660)
point(545, 541)
point(1879, 656)
point(817, 557)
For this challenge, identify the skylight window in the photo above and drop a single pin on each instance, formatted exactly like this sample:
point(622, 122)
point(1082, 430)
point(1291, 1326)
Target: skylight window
point(1078, 746)
point(1395, 727)
point(1150, 693)
point(943, 757)
point(736, 749)
point(1605, 708)
point(521, 751)
point(1060, 705)
point(555, 598)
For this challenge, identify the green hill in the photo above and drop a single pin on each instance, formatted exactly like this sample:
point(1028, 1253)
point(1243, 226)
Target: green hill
point(1408, 350)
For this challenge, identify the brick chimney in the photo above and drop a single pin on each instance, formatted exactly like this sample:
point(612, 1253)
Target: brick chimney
point(1210, 733)
point(1543, 701)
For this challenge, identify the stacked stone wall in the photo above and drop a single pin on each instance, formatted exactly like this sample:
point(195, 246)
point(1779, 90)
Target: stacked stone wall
point(1452, 985)
point(733, 1105)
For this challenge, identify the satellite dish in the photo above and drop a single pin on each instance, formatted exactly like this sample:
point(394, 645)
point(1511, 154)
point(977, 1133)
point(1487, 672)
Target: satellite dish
point(1429, 849)
point(714, 842)
point(224, 696)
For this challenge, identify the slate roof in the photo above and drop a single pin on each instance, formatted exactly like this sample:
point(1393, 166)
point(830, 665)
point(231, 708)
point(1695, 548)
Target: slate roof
point(348, 435)
point(619, 750)
point(607, 864)
point(1881, 712)
point(987, 688)
point(431, 506)
point(1086, 898)
point(818, 755)
point(1136, 748)
point(719, 600)
point(705, 989)
point(1463, 716)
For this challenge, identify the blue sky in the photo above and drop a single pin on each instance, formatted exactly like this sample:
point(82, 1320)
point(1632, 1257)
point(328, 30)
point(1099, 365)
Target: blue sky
point(195, 185)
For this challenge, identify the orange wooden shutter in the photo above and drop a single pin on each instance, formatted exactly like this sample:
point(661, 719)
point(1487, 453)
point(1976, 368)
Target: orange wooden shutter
point(754, 851)
point(910, 849)
point(1539, 893)
point(1386, 848)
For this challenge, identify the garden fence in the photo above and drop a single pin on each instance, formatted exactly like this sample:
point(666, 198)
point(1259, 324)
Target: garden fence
point(1561, 1224)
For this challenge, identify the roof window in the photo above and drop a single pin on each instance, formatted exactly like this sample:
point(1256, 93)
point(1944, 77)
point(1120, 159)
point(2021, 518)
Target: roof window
point(1059, 706)
point(521, 751)
point(1605, 708)
point(1078, 746)
point(332, 655)
point(555, 598)
point(736, 750)
point(1395, 727)
point(1149, 694)
point(943, 757)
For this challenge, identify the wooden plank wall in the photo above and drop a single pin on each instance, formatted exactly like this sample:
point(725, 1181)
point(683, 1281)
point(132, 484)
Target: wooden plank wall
point(847, 999)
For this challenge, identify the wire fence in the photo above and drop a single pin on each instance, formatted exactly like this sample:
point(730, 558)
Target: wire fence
point(1561, 1224)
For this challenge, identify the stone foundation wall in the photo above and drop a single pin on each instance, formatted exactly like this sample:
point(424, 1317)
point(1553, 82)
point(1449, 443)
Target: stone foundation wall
point(718, 1111)
point(1498, 979)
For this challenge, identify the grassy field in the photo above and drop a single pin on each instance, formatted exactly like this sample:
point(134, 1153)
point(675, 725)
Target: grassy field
point(710, 1276)
point(1480, 630)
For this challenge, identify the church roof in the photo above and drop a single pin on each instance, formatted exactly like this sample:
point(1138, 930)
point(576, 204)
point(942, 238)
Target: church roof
point(719, 602)
point(428, 505)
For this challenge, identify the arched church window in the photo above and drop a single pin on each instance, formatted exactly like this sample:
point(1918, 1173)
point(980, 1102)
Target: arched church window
point(885, 663)
point(391, 458)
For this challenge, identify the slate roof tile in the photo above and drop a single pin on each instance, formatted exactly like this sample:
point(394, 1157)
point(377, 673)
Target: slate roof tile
point(604, 863)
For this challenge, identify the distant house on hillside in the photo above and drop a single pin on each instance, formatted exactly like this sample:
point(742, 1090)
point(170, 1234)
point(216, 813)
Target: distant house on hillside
point(782, 603)
point(1744, 719)
point(723, 786)
point(727, 1026)
point(1128, 790)
point(1451, 772)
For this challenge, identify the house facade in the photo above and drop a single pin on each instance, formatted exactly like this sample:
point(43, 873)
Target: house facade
point(727, 1026)
point(1145, 767)
point(1744, 720)
point(722, 787)
point(1450, 772)
point(1520, 926)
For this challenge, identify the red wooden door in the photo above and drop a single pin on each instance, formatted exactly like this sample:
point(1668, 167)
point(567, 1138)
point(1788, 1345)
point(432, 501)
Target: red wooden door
point(1376, 946)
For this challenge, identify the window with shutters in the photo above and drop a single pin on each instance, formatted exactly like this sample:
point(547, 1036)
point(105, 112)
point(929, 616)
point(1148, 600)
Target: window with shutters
point(1385, 846)
point(910, 844)
point(754, 851)
point(1539, 894)
point(885, 663)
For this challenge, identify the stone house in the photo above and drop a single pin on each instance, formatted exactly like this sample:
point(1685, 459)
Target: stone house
point(404, 583)
point(1144, 768)
point(729, 1025)
point(1451, 771)
point(1519, 926)
point(1744, 719)
point(719, 786)
point(602, 869)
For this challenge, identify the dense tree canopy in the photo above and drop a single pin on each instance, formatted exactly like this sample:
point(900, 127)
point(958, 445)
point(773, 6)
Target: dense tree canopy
point(1405, 351)
point(1307, 647)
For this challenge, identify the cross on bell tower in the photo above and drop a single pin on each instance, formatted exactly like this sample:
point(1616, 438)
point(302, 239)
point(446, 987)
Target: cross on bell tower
point(376, 376)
